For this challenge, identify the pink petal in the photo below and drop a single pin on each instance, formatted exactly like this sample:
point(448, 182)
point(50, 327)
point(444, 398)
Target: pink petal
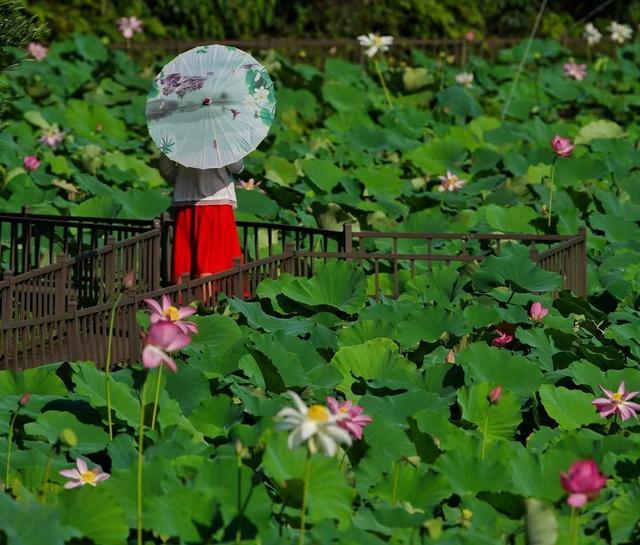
point(166, 303)
point(102, 476)
point(153, 305)
point(603, 402)
point(577, 500)
point(608, 393)
point(185, 312)
point(82, 466)
point(621, 389)
point(70, 473)
point(630, 395)
point(178, 342)
point(152, 356)
point(333, 404)
point(72, 484)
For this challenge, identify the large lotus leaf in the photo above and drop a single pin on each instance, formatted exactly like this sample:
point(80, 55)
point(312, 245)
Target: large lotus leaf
point(483, 363)
point(96, 514)
point(438, 155)
point(338, 285)
point(515, 269)
point(342, 96)
point(459, 102)
point(51, 423)
point(280, 171)
point(141, 204)
point(40, 381)
point(384, 180)
point(513, 219)
point(322, 173)
point(602, 128)
point(535, 474)
point(145, 176)
point(215, 416)
point(300, 101)
point(258, 319)
point(571, 409)
point(377, 362)
point(32, 523)
point(253, 203)
point(624, 516)
point(329, 495)
point(94, 120)
point(494, 421)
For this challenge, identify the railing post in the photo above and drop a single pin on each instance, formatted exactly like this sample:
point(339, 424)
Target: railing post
point(165, 245)
point(6, 298)
point(582, 265)
point(109, 268)
point(60, 288)
point(26, 238)
point(238, 290)
point(533, 253)
point(347, 237)
point(290, 259)
point(156, 257)
point(73, 334)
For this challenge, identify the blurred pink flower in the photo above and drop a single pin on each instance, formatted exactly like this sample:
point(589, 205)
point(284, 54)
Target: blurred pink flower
point(128, 26)
point(617, 403)
point(537, 312)
point(83, 475)
point(24, 398)
point(495, 394)
point(583, 482)
point(470, 35)
point(251, 185)
point(168, 312)
point(450, 182)
point(450, 357)
point(576, 71)
point(37, 51)
point(51, 137)
point(31, 163)
point(562, 147)
point(163, 337)
point(504, 337)
point(351, 416)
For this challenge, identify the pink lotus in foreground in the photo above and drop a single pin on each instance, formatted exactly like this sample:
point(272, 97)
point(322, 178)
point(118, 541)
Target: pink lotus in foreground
point(617, 403)
point(83, 475)
point(504, 337)
point(583, 482)
point(576, 71)
point(537, 312)
point(163, 338)
point(562, 147)
point(169, 312)
point(128, 26)
point(37, 51)
point(351, 416)
point(31, 163)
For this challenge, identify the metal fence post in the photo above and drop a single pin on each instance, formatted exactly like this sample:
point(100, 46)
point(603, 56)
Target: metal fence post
point(6, 298)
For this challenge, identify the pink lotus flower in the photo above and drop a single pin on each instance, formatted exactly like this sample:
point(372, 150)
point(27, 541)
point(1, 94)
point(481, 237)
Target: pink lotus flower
point(470, 35)
point(450, 182)
point(504, 337)
point(83, 475)
point(450, 357)
point(576, 71)
point(51, 137)
point(128, 26)
point(251, 185)
point(617, 403)
point(352, 417)
point(171, 313)
point(24, 398)
point(495, 394)
point(562, 147)
point(37, 51)
point(583, 482)
point(163, 338)
point(537, 312)
point(31, 163)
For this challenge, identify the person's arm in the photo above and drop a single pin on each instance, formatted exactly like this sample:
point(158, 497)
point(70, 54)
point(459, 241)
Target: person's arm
point(236, 168)
point(168, 168)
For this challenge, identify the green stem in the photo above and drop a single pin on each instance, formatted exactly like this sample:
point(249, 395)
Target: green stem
point(139, 466)
point(155, 402)
point(574, 526)
point(9, 443)
point(240, 506)
point(47, 474)
point(394, 485)
point(305, 492)
point(107, 370)
point(551, 186)
point(483, 445)
point(387, 94)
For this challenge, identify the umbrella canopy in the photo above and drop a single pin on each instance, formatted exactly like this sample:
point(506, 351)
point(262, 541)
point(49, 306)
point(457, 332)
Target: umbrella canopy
point(210, 106)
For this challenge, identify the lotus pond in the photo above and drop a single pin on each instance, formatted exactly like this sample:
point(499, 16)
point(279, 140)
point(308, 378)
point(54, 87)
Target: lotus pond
point(478, 385)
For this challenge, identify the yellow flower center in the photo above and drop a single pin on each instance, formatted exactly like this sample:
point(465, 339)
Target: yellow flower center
point(343, 410)
point(88, 477)
point(318, 413)
point(617, 397)
point(377, 40)
point(172, 314)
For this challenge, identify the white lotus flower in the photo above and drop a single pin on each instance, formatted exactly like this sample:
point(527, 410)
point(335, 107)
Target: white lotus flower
point(450, 182)
point(261, 96)
point(315, 425)
point(374, 43)
point(620, 33)
point(592, 34)
point(464, 78)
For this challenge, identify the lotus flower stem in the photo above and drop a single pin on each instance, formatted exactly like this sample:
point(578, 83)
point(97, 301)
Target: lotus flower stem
point(305, 493)
point(9, 444)
point(394, 486)
point(387, 94)
point(483, 445)
point(47, 474)
point(574, 526)
point(139, 467)
point(157, 397)
point(240, 505)
point(551, 186)
point(107, 369)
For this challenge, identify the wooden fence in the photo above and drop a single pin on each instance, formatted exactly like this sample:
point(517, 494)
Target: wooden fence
point(61, 311)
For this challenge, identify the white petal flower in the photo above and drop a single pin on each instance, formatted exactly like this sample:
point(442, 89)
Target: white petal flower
point(592, 34)
point(315, 425)
point(620, 33)
point(450, 182)
point(374, 43)
point(465, 78)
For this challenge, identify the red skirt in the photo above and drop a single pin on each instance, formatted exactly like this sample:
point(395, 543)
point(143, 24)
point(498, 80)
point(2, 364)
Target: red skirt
point(205, 240)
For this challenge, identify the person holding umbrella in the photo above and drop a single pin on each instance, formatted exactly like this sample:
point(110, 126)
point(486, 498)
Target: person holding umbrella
point(207, 110)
